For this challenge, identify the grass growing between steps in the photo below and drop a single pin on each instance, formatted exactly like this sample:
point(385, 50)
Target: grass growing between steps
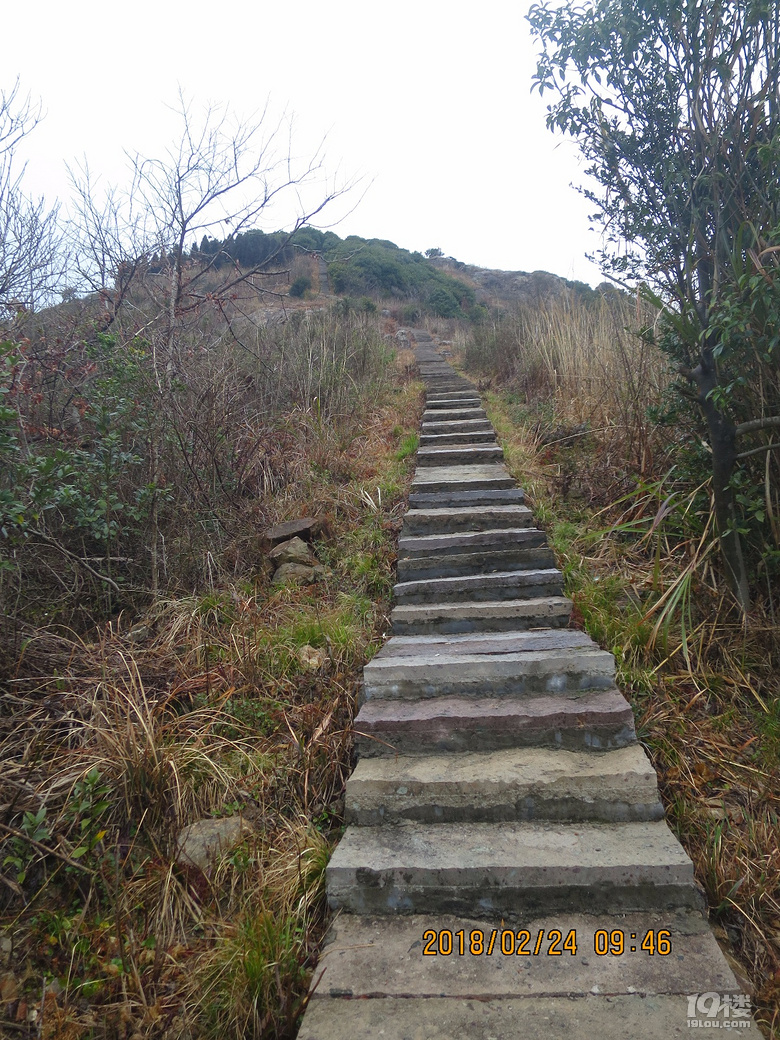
point(233, 702)
point(705, 689)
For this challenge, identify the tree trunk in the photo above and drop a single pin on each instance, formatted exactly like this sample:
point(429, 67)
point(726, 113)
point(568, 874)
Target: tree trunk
point(722, 433)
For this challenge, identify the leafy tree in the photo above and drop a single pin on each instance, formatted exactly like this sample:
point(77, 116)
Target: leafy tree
point(434, 252)
point(675, 106)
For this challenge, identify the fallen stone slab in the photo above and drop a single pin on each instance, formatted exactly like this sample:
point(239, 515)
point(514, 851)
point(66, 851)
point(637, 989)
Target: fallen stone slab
point(303, 528)
point(521, 584)
point(510, 870)
point(384, 957)
point(294, 550)
point(532, 1018)
point(599, 720)
point(511, 784)
point(491, 616)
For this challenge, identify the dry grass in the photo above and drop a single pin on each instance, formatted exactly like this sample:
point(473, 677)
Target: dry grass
point(203, 706)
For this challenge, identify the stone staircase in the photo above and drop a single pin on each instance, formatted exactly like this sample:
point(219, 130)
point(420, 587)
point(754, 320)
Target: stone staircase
point(506, 871)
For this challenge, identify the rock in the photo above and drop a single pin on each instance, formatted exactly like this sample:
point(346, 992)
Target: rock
point(294, 572)
point(282, 532)
point(293, 551)
point(203, 841)
point(312, 659)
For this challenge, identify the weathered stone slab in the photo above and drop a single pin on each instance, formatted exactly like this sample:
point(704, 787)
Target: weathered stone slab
point(452, 401)
point(282, 532)
point(459, 454)
point(496, 616)
point(383, 957)
point(524, 674)
point(410, 546)
point(451, 519)
point(450, 414)
point(599, 720)
point(510, 870)
point(502, 585)
point(513, 784)
point(435, 440)
point(460, 426)
point(463, 564)
point(460, 499)
point(486, 643)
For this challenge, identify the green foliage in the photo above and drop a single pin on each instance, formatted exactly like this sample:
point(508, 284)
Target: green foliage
point(300, 286)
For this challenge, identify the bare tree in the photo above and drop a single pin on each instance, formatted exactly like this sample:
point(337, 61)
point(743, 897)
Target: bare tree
point(30, 245)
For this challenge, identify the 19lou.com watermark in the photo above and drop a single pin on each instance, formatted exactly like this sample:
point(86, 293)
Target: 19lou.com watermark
point(719, 1011)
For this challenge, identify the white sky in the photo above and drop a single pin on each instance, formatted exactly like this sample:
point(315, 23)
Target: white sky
point(429, 100)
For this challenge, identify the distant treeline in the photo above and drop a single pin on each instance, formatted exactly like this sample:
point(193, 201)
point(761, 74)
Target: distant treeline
point(356, 266)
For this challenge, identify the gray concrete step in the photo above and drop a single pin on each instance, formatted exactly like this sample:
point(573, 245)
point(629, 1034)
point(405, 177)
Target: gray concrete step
point(459, 499)
point(454, 519)
point(508, 871)
point(471, 562)
point(490, 664)
point(502, 585)
point(452, 414)
point(457, 426)
point(461, 454)
point(598, 720)
point(490, 616)
point(387, 977)
point(452, 395)
point(453, 400)
point(593, 1017)
point(433, 440)
point(472, 552)
point(513, 784)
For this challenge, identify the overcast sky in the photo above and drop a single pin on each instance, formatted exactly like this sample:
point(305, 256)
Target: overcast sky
point(427, 100)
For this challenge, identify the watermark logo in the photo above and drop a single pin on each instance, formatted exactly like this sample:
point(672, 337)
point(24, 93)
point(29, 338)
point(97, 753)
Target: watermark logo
point(719, 1011)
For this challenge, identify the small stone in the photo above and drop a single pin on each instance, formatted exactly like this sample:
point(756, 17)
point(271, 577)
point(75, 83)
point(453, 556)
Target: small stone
point(201, 842)
point(138, 634)
point(293, 551)
point(294, 572)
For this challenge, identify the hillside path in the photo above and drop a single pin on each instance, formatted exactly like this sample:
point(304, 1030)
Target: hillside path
point(506, 872)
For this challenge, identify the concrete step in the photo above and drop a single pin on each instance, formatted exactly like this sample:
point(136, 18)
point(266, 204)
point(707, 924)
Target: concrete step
point(508, 871)
point(453, 395)
point(490, 616)
point(453, 400)
point(457, 498)
point(471, 562)
point(433, 440)
point(457, 426)
point(383, 957)
point(599, 720)
point(514, 784)
point(387, 977)
point(463, 454)
point(411, 546)
point(452, 414)
point(490, 664)
point(502, 585)
point(442, 1017)
point(487, 477)
point(454, 519)
point(473, 552)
